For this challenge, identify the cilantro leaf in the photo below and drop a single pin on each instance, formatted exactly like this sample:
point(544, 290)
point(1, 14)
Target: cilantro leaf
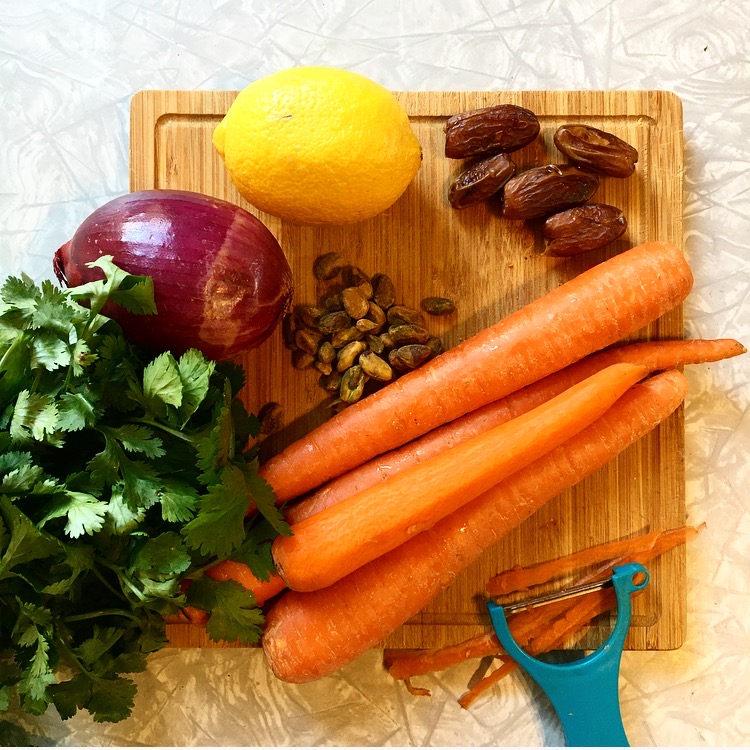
point(136, 481)
point(22, 478)
point(53, 311)
point(26, 543)
point(70, 695)
point(233, 373)
point(78, 560)
point(195, 374)
point(111, 699)
point(218, 528)
point(233, 615)
point(121, 518)
point(74, 412)
point(102, 640)
point(162, 384)
point(12, 460)
point(255, 551)
point(164, 554)
point(49, 351)
point(215, 445)
point(37, 672)
point(264, 498)
point(128, 663)
point(15, 368)
point(138, 439)
point(34, 417)
point(178, 501)
point(85, 513)
point(20, 295)
point(246, 425)
point(134, 293)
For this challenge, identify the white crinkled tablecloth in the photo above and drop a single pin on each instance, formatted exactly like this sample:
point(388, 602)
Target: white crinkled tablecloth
point(67, 72)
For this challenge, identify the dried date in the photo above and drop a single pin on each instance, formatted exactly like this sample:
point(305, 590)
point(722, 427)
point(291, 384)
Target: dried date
point(596, 149)
point(583, 229)
point(489, 130)
point(481, 180)
point(541, 191)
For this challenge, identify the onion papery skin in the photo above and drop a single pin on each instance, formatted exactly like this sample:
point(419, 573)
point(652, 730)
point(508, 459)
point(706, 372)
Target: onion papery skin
point(221, 280)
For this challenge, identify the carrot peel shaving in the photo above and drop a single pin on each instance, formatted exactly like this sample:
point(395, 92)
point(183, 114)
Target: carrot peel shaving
point(546, 627)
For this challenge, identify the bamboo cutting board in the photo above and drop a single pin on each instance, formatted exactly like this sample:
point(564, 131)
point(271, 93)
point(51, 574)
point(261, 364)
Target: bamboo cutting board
point(491, 266)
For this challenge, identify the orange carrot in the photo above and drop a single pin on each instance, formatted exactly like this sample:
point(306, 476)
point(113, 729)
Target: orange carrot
point(655, 355)
point(415, 690)
point(229, 570)
point(331, 544)
point(311, 635)
point(534, 626)
point(595, 309)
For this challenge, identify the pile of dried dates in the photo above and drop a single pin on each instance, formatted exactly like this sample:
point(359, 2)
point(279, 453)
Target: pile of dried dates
point(357, 336)
point(558, 193)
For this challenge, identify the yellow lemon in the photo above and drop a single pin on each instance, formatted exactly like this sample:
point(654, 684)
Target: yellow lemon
point(318, 145)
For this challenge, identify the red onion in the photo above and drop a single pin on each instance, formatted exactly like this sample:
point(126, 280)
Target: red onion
point(221, 280)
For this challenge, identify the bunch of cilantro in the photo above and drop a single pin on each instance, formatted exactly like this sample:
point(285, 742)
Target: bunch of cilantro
point(122, 478)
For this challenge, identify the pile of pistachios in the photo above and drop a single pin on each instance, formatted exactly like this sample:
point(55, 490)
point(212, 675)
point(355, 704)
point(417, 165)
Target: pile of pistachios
point(356, 336)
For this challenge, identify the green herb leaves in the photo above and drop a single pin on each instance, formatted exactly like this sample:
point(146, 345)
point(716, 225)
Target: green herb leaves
point(122, 477)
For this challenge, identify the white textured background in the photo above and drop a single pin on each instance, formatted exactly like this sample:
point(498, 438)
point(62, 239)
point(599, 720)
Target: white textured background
point(67, 71)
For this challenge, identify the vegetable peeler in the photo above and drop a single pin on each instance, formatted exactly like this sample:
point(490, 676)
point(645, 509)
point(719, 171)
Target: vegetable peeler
point(584, 693)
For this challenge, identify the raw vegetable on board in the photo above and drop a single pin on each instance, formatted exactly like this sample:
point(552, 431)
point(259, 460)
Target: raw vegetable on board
point(325, 547)
point(121, 476)
point(309, 635)
point(222, 282)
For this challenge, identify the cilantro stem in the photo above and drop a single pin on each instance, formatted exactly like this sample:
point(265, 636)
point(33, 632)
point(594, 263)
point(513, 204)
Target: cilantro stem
point(106, 583)
point(124, 581)
point(72, 655)
point(198, 572)
point(17, 343)
point(102, 613)
point(164, 428)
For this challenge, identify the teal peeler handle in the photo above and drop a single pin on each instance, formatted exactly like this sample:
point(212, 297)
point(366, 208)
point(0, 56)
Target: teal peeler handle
point(584, 693)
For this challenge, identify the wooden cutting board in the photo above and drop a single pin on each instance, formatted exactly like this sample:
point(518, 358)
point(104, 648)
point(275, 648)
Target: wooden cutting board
point(491, 266)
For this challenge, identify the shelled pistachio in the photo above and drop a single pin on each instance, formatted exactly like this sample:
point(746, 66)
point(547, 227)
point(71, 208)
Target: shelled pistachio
point(358, 335)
